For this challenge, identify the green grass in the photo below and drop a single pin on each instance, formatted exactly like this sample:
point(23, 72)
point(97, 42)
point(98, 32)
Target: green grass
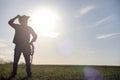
point(59, 72)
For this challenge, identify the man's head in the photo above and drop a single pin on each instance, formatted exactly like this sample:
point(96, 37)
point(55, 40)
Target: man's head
point(23, 19)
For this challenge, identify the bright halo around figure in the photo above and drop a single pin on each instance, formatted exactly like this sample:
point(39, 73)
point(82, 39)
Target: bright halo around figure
point(45, 22)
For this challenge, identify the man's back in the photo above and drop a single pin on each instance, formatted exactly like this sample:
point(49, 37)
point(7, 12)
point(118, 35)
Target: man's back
point(22, 35)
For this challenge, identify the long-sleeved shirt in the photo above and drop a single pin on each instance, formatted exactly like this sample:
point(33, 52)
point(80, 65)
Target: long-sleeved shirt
point(22, 33)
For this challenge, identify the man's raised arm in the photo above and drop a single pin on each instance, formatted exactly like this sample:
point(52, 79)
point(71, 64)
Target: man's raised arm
point(11, 21)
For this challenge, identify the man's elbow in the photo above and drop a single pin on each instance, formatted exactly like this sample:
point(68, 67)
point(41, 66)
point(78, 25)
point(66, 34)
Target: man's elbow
point(10, 22)
point(35, 37)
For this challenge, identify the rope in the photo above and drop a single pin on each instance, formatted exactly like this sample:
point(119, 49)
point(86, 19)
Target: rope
point(32, 53)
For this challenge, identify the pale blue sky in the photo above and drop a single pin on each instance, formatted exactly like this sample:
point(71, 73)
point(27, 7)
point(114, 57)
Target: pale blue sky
point(89, 31)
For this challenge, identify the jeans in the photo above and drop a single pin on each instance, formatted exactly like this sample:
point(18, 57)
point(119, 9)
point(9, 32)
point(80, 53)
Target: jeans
point(26, 53)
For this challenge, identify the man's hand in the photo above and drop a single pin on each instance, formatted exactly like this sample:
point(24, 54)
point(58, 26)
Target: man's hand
point(11, 21)
point(31, 43)
point(18, 16)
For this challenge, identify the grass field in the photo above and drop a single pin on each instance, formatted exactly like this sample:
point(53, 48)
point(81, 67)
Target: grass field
point(63, 72)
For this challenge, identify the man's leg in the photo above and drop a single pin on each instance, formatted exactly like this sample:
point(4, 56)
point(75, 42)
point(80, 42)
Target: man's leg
point(27, 60)
point(17, 54)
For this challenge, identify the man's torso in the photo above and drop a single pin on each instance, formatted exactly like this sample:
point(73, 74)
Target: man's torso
point(22, 35)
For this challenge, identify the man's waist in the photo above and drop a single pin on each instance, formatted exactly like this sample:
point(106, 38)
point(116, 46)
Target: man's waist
point(21, 43)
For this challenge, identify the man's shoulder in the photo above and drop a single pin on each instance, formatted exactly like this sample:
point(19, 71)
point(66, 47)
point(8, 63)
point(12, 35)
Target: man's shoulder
point(29, 27)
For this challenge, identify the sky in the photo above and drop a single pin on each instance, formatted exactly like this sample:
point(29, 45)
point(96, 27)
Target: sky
point(76, 32)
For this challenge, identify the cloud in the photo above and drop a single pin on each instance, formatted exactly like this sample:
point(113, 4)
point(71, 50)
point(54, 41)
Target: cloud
point(6, 54)
point(104, 36)
point(85, 10)
point(2, 43)
point(103, 21)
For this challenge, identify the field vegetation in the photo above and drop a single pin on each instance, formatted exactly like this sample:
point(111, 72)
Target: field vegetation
point(63, 72)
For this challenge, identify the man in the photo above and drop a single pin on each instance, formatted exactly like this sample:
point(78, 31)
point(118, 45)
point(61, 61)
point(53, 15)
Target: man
point(22, 42)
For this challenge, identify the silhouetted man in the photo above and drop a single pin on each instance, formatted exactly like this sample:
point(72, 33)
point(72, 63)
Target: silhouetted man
point(22, 41)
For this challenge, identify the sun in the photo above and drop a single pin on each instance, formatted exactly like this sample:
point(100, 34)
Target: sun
point(45, 22)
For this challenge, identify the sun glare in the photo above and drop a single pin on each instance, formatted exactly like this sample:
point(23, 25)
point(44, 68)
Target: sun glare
point(45, 22)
